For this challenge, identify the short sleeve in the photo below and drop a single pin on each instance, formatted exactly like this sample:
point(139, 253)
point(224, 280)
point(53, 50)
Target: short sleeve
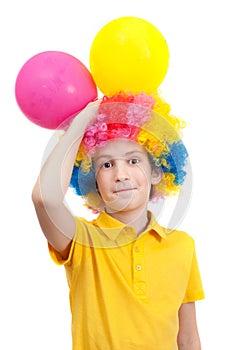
point(56, 256)
point(194, 290)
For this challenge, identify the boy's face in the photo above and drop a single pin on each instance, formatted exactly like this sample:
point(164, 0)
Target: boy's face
point(124, 175)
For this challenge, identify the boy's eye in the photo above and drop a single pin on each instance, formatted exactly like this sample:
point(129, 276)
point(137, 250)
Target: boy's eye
point(107, 165)
point(133, 161)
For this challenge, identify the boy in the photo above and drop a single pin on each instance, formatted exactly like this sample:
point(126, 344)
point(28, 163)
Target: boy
point(132, 286)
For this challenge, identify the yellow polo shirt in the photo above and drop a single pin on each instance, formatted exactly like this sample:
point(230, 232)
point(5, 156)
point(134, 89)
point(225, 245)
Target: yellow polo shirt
point(125, 291)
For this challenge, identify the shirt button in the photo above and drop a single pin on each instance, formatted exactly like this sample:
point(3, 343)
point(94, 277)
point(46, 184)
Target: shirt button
point(138, 267)
point(137, 249)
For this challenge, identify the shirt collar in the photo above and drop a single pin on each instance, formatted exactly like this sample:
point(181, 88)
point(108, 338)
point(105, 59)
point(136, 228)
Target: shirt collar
point(112, 227)
point(154, 226)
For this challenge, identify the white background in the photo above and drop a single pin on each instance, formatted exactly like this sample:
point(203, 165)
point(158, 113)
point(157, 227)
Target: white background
point(34, 308)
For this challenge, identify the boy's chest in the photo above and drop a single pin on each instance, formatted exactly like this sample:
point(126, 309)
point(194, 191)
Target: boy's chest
point(147, 270)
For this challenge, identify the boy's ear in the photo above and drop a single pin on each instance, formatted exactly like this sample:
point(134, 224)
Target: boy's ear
point(156, 175)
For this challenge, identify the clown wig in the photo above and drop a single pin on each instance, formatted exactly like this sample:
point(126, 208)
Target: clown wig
point(141, 118)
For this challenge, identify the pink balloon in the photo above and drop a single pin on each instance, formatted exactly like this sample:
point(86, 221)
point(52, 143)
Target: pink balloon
point(52, 87)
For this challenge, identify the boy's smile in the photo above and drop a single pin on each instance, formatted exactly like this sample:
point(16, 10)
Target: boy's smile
point(124, 176)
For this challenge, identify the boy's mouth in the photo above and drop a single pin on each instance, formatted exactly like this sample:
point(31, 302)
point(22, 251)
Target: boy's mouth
point(125, 190)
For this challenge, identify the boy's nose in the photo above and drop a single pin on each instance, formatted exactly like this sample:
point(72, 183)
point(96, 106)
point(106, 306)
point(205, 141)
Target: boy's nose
point(121, 173)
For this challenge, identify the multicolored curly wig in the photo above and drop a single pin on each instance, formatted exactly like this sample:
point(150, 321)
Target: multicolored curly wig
point(141, 118)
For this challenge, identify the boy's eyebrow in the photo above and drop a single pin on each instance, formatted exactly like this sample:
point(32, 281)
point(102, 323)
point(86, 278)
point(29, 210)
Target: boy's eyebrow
point(136, 152)
point(127, 154)
point(104, 156)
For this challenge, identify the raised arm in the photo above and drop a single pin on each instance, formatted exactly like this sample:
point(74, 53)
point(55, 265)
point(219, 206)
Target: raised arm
point(56, 220)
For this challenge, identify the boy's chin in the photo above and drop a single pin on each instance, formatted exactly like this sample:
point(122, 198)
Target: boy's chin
point(120, 208)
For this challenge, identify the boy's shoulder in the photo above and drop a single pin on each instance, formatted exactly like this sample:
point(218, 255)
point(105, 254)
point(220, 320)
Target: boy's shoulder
point(170, 234)
point(173, 232)
point(175, 236)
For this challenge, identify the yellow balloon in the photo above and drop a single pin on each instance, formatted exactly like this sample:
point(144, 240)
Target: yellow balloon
point(128, 54)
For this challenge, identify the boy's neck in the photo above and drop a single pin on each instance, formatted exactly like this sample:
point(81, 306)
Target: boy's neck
point(139, 220)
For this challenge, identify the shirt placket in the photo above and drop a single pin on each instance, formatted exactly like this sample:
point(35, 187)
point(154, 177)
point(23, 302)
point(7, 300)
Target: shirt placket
point(139, 269)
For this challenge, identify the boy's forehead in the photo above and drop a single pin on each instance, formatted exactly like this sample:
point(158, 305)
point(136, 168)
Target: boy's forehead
point(119, 148)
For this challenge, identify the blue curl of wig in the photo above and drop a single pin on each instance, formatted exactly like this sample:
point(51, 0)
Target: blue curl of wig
point(83, 182)
point(176, 160)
